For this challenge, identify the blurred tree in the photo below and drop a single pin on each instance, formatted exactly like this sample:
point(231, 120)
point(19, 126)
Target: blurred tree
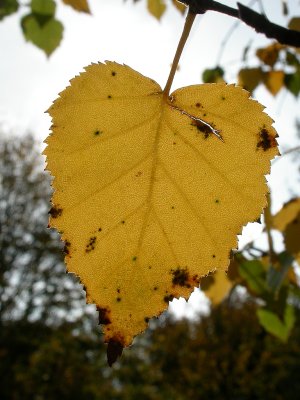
point(224, 355)
point(40, 362)
point(33, 283)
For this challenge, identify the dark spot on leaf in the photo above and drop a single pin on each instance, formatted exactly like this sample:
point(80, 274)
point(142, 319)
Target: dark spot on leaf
point(213, 256)
point(114, 73)
point(114, 349)
point(119, 299)
point(180, 277)
point(203, 128)
point(118, 290)
point(155, 288)
point(134, 258)
point(198, 105)
point(100, 229)
point(104, 315)
point(55, 211)
point(97, 133)
point(149, 267)
point(147, 319)
point(67, 247)
point(123, 222)
point(204, 115)
point(217, 201)
point(172, 207)
point(222, 97)
point(174, 143)
point(168, 298)
point(139, 173)
point(109, 96)
point(266, 141)
point(91, 244)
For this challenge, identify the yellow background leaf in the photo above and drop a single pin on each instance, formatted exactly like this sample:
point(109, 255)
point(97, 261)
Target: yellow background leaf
point(292, 237)
point(156, 8)
point(148, 197)
point(274, 81)
point(219, 287)
point(180, 6)
point(286, 215)
point(269, 54)
point(249, 78)
point(79, 5)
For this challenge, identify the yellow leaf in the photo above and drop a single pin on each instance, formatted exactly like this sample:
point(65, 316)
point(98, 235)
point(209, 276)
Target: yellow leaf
point(151, 190)
point(274, 81)
point(216, 286)
point(156, 8)
point(180, 6)
point(249, 78)
point(292, 237)
point(269, 54)
point(294, 24)
point(79, 5)
point(286, 215)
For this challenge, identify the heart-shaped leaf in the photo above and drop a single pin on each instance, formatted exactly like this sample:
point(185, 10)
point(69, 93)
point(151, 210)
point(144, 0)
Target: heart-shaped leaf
point(151, 190)
point(44, 32)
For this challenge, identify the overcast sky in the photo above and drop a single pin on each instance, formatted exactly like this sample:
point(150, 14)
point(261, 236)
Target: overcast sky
point(124, 32)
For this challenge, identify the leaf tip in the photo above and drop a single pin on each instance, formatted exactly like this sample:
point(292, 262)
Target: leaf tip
point(114, 351)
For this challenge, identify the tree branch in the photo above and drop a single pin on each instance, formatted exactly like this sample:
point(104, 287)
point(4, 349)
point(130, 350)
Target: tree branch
point(259, 22)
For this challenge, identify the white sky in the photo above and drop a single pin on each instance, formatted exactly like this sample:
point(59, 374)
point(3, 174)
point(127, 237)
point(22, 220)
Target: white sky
point(124, 32)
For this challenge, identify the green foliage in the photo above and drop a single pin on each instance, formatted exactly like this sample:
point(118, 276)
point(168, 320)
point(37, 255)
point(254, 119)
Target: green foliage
point(8, 7)
point(40, 26)
point(213, 75)
point(254, 274)
point(39, 362)
point(272, 323)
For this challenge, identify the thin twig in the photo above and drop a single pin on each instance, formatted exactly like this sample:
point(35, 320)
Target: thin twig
point(268, 223)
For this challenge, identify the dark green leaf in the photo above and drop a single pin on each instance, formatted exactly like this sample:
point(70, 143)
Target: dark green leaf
point(292, 83)
point(43, 7)
point(8, 7)
point(254, 274)
point(212, 75)
point(292, 59)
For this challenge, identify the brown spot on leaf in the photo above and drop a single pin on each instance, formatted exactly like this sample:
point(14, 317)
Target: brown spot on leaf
point(180, 277)
point(119, 299)
point(109, 96)
point(198, 105)
point(168, 297)
point(91, 244)
point(115, 348)
point(147, 319)
point(97, 132)
point(104, 315)
point(55, 211)
point(203, 128)
point(265, 140)
point(66, 249)
point(113, 73)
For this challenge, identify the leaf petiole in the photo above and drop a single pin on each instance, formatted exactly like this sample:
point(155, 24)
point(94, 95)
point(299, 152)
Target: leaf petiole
point(184, 36)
